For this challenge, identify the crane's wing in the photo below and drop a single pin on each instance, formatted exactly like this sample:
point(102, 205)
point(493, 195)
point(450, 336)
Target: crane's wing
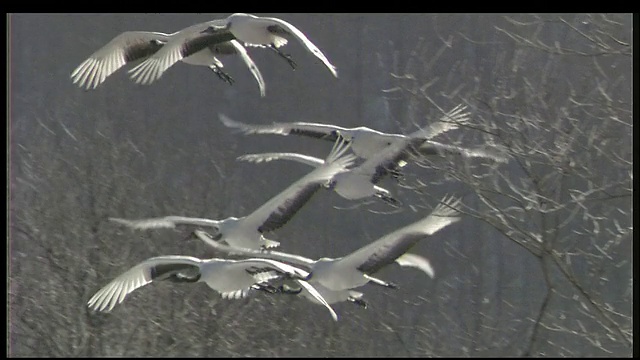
point(250, 64)
point(280, 209)
point(320, 131)
point(168, 222)
point(124, 48)
point(430, 148)
point(279, 25)
point(416, 261)
point(374, 256)
point(266, 157)
point(183, 268)
point(180, 45)
point(450, 121)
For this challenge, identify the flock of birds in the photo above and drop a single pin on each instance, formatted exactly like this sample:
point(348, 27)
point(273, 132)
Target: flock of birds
point(359, 159)
point(199, 44)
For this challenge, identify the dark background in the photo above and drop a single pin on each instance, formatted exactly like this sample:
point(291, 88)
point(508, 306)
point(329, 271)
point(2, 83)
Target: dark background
point(540, 264)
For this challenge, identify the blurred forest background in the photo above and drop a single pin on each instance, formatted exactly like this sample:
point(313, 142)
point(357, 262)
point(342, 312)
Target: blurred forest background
point(540, 264)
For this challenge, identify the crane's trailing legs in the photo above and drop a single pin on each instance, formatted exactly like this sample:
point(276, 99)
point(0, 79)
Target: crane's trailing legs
point(287, 57)
point(358, 302)
point(377, 281)
point(221, 74)
point(389, 199)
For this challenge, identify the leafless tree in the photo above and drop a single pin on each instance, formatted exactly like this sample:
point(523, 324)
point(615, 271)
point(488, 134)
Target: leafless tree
point(557, 100)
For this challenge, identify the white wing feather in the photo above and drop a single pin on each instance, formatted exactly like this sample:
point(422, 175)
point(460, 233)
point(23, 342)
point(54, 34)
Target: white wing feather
point(168, 222)
point(111, 57)
point(250, 64)
point(311, 47)
point(416, 261)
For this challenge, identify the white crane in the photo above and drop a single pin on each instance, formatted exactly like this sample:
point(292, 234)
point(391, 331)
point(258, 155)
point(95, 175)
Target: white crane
point(365, 142)
point(247, 232)
point(248, 29)
point(336, 278)
point(360, 182)
point(233, 279)
point(136, 46)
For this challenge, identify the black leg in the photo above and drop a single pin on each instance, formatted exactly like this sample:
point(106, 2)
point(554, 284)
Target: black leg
point(389, 199)
point(221, 74)
point(284, 56)
point(387, 284)
point(396, 174)
point(359, 302)
point(391, 285)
